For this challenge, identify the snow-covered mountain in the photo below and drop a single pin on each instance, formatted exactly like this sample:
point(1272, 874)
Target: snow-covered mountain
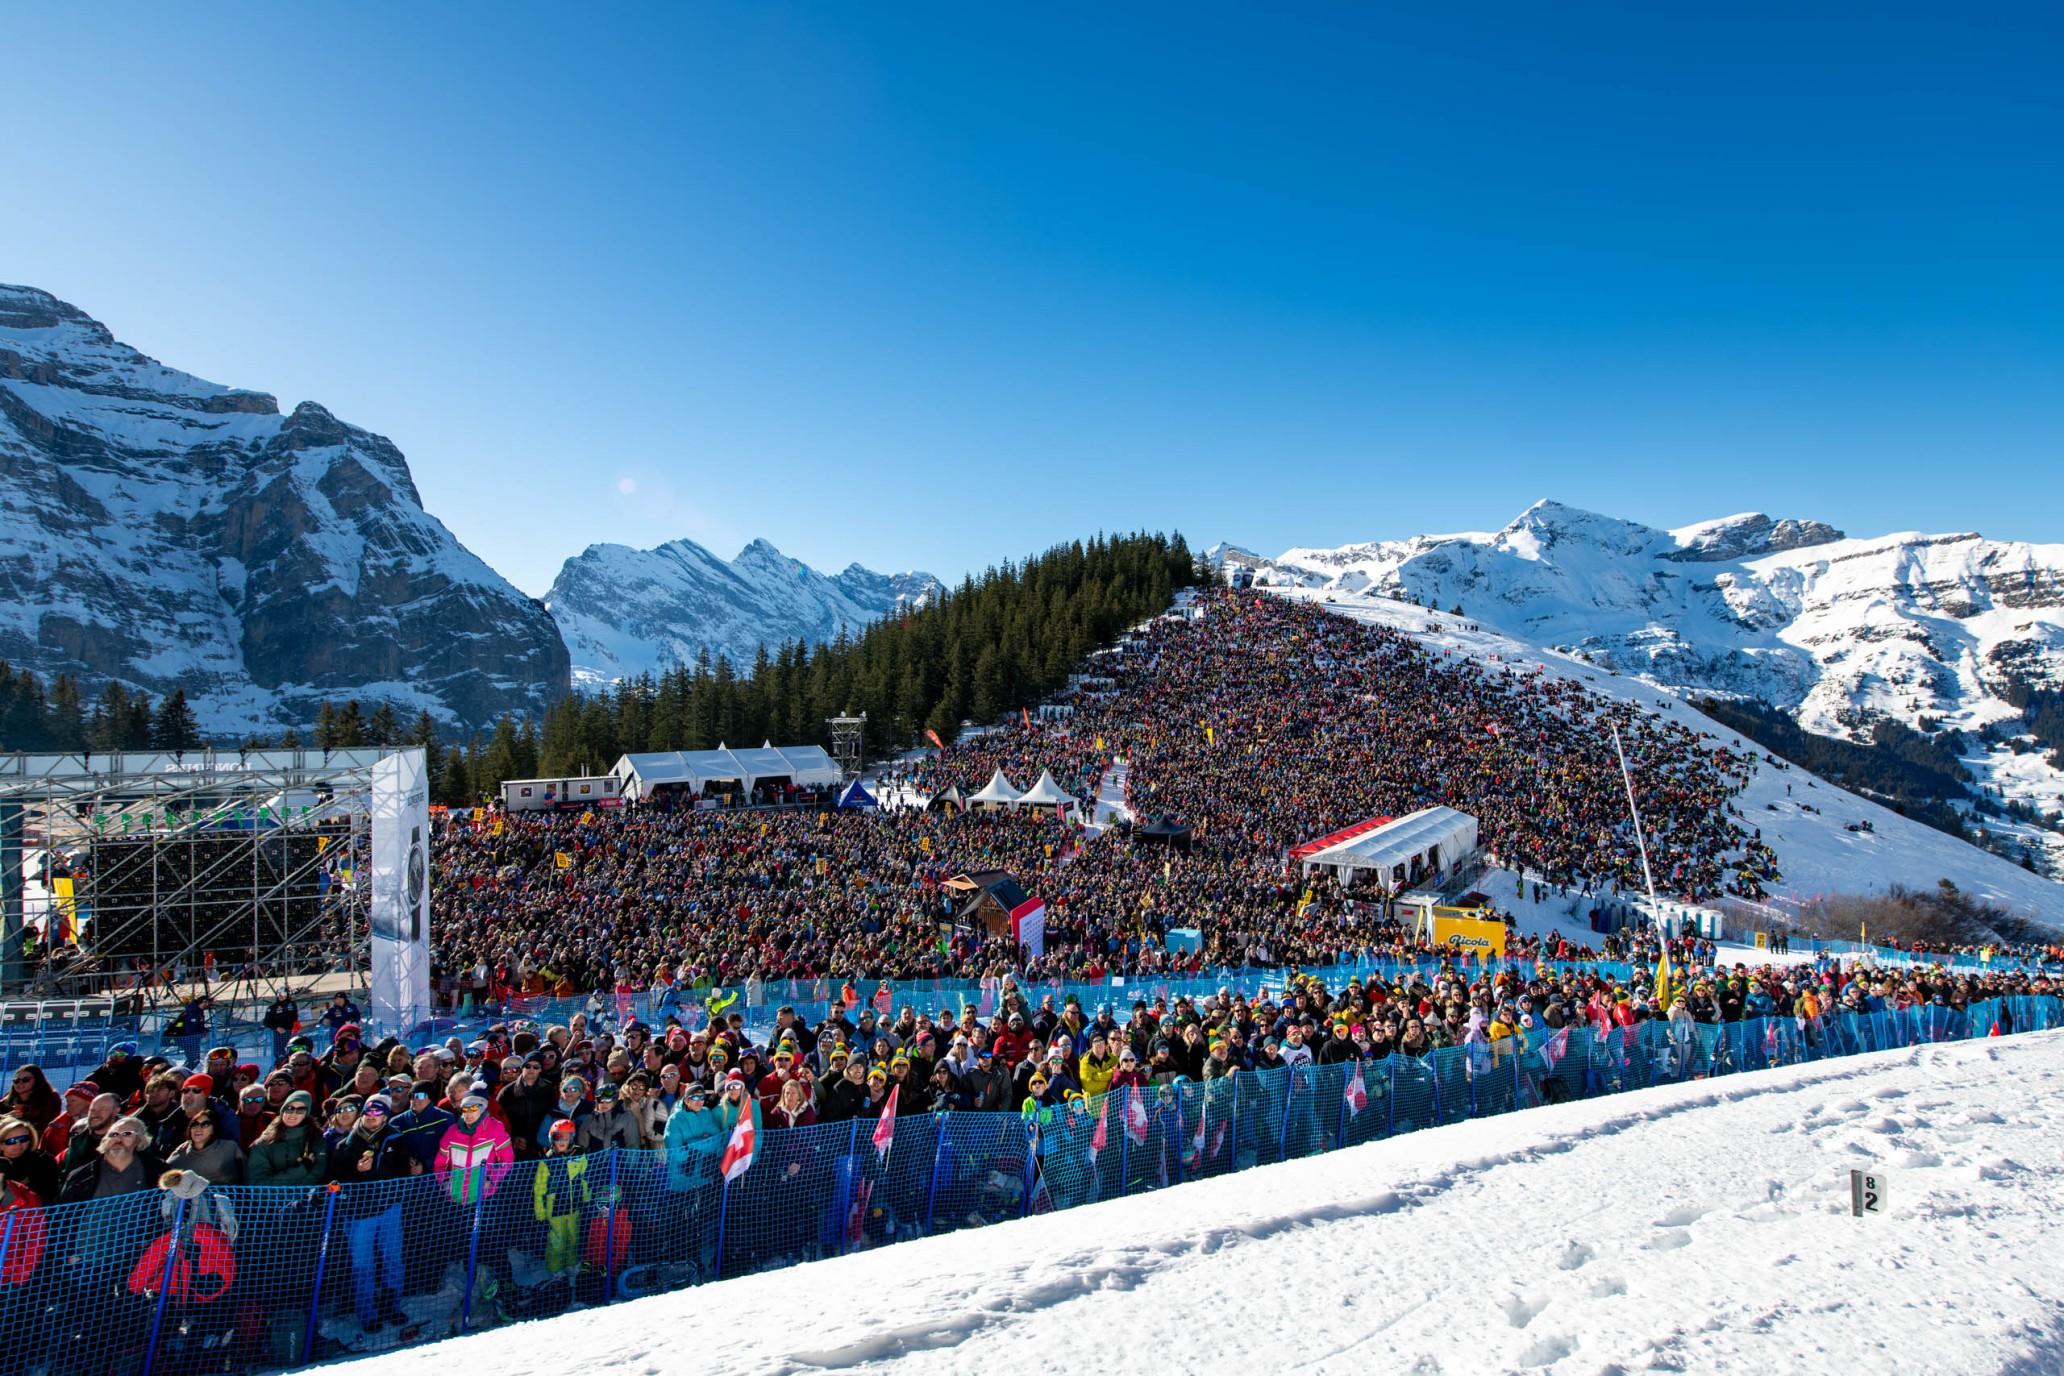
point(163, 531)
point(628, 611)
point(1841, 632)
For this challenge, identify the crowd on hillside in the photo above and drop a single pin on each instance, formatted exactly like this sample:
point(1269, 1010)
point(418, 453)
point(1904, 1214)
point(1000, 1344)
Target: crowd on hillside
point(1257, 722)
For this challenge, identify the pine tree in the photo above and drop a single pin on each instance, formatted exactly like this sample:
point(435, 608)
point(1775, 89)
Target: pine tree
point(348, 727)
point(174, 727)
point(137, 724)
point(326, 727)
point(381, 728)
point(424, 735)
point(67, 716)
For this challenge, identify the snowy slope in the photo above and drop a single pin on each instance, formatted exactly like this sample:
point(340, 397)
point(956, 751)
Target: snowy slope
point(1699, 1227)
point(627, 611)
point(1841, 632)
point(168, 532)
point(1815, 854)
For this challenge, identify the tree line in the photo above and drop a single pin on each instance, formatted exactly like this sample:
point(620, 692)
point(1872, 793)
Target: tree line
point(997, 642)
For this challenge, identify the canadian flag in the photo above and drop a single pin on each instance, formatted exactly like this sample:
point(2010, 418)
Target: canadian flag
point(885, 1126)
point(1100, 1136)
point(1356, 1095)
point(738, 1153)
point(1135, 1115)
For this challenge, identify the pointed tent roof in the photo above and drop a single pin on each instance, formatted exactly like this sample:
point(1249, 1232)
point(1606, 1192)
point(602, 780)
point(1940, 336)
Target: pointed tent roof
point(856, 795)
point(998, 790)
point(950, 794)
point(1045, 793)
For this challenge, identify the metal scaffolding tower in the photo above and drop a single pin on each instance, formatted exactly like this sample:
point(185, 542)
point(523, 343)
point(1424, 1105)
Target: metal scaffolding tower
point(119, 870)
point(848, 743)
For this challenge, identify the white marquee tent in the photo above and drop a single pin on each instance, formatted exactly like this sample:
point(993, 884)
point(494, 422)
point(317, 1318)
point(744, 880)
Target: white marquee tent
point(999, 792)
point(1416, 846)
point(806, 766)
point(1046, 793)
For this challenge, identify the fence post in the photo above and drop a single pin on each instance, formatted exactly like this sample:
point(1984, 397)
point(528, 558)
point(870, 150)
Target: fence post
point(1125, 1144)
point(1340, 1131)
point(852, 1145)
point(609, 1234)
point(1182, 1135)
point(1390, 1095)
point(1233, 1162)
point(1289, 1096)
point(723, 1208)
point(7, 1238)
point(150, 1347)
point(322, 1257)
point(472, 1270)
point(932, 1186)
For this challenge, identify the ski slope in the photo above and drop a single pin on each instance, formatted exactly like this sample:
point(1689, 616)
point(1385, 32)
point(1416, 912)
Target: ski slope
point(1698, 1227)
point(1815, 853)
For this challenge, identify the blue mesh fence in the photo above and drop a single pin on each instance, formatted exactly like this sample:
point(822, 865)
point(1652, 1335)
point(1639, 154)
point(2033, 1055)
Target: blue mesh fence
point(250, 1279)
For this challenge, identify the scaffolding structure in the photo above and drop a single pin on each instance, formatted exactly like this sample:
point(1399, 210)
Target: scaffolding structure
point(848, 744)
point(133, 872)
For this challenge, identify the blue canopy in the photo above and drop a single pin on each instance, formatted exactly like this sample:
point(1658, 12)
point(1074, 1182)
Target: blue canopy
point(856, 796)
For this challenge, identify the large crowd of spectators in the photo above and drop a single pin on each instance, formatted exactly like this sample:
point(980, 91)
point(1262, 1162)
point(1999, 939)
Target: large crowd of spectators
point(1258, 723)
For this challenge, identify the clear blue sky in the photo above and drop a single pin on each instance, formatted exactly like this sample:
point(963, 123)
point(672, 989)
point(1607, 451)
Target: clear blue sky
point(928, 285)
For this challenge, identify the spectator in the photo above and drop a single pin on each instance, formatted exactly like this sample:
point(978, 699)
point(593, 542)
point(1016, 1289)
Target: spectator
point(209, 1153)
point(290, 1151)
point(124, 1164)
point(23, 1160)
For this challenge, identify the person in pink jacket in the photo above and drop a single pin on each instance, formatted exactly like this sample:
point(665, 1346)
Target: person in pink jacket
point(475, 1153)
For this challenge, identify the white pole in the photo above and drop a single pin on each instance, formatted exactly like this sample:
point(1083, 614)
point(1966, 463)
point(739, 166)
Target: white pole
point(1655, 909)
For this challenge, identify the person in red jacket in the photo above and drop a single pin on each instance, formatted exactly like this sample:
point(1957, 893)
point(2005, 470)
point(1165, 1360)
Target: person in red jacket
point(1010, 1045)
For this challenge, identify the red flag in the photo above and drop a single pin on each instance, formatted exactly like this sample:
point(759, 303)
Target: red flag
point(738, 1153)
point(885, 1126)
point(935, 739)
point(1027, 715)
point(1099, 1137)
point(1356, 1095)
point(1135, 1115)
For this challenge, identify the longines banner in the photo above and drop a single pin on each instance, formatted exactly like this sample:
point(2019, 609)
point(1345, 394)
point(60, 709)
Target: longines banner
point(400, 808)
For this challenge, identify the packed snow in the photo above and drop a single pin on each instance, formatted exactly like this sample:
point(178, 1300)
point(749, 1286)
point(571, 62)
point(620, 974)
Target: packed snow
point(1697, 1227)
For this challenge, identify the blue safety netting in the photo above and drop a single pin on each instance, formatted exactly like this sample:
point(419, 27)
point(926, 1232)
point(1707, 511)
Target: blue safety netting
point(259, 1279)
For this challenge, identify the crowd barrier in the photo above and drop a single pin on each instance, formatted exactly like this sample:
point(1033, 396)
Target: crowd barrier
point(248, 1280)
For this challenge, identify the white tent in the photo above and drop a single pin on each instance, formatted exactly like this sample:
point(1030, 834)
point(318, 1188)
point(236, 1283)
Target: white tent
point(806, 766)
point(1045, 793)
point(999, 792)
point(1415, 847)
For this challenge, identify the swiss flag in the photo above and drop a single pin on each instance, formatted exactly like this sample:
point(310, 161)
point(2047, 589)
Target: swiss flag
point(1135, 1115)
point(885, 1126)
point(1356, 1095)
point(1100, 1136)
point(738, 1153)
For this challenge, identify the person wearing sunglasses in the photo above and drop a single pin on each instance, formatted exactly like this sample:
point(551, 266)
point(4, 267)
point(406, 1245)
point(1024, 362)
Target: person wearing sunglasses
point(32, 1098)
point(125, 1165)
point(370, 1210)
point(290, 1150)
point(23, 1161)
point(207, 1153)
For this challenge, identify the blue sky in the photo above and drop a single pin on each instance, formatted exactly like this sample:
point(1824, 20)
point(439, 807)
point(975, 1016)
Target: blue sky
point(931, 285)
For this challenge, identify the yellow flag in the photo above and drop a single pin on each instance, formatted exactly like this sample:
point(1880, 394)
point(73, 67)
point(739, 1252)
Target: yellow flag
point(1662, 980)
point(564, 861)
point(1210, 735)
point(1100, 742)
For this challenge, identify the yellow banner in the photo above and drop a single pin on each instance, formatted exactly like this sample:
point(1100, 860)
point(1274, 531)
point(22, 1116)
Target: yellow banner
point(1468, 936)
point(564, 860)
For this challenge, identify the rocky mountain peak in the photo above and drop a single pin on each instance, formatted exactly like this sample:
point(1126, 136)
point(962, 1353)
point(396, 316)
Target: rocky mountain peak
point(162, 531)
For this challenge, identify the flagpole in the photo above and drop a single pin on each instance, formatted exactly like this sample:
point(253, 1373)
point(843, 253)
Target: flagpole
point(1654, 908)
point(723, 1208)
